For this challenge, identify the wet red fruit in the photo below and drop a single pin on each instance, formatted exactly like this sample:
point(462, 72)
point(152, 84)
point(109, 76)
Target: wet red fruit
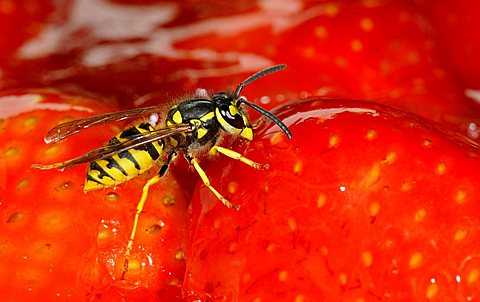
point(364, 203)
point(62, 243)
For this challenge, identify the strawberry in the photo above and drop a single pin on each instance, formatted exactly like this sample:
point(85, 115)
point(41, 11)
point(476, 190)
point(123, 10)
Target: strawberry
point(365, 203)
point(382, 51)
point(20, 21)
point(451, 21)
point(381, 203)
point(362, 56)
point(63, 243)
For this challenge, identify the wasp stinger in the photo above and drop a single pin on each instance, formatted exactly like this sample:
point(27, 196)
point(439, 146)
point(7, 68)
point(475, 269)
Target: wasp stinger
point(191, 127)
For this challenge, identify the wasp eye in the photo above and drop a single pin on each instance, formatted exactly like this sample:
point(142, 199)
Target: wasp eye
point(230, 114)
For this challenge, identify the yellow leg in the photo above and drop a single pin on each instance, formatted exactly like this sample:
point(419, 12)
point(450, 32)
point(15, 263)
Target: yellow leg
point(139, 210)
point(237, 156)
point(206, 181)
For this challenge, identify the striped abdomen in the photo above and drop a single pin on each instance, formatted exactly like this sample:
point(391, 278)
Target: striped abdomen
point(125, 165)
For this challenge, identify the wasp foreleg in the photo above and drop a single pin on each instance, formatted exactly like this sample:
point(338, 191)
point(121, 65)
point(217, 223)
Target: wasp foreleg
point(237, 156)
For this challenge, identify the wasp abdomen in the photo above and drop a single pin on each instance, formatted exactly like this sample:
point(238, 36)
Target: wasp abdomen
point(125, 165)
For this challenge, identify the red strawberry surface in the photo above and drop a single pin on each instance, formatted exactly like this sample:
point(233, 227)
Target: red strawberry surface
point(451, 20)
point(58, 243)
point(385, 51)
point(365, 203)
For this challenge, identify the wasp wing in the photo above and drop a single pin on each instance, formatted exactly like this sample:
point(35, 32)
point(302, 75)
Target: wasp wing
point(64, 130)
point(112, 149)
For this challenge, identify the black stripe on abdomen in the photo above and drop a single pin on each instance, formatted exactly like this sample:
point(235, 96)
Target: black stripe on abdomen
point(128, 156)
point(152, 151)
point(101, 172)
point(113, 164)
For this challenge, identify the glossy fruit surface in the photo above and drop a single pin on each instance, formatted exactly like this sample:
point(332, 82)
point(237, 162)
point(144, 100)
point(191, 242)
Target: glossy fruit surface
point(61, 243)
point(365, 203)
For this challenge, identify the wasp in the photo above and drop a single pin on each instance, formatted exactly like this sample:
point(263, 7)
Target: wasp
point(193, 127)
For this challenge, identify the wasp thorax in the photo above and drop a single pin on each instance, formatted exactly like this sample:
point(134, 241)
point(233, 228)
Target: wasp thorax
point(231, 118)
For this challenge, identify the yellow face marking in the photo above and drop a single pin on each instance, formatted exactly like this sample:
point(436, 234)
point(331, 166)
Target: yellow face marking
point(177, 117)
point(233, 110)
point(247, 133)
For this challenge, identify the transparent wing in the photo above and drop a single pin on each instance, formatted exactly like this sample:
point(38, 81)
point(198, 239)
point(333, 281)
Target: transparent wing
point(112, 149)
point(64, 130)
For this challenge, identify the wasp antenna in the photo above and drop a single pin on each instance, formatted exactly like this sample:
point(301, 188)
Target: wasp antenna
point(269, 115)
point(257, 76)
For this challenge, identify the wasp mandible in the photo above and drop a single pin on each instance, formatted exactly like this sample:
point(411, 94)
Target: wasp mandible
point(193, 127)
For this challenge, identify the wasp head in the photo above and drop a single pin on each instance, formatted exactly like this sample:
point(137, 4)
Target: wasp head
point(231, 117)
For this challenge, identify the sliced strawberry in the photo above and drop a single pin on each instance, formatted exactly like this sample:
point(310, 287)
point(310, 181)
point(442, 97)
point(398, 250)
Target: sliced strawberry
point(63, 243)
point(364, 203)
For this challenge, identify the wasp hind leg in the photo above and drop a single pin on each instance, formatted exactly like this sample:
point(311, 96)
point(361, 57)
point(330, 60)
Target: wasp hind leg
point(140, 206)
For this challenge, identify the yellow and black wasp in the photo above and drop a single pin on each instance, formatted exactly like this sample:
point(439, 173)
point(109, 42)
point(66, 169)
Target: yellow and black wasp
point(192, 127)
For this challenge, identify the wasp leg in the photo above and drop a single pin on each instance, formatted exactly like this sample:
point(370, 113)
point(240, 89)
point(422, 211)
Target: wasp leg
point(237, 156)
point(206, 182)
point(140, 205)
